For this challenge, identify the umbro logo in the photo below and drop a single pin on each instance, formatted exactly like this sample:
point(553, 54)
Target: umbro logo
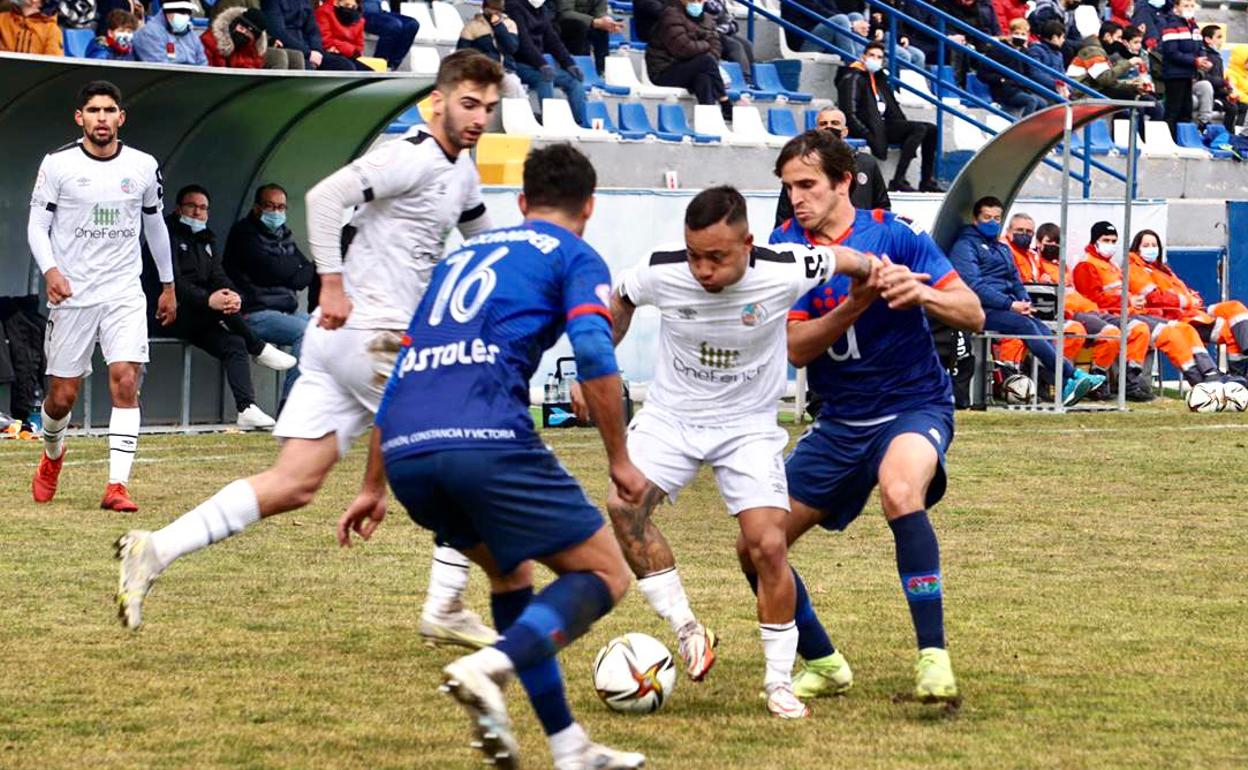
point(687, 313)
point(84, 181)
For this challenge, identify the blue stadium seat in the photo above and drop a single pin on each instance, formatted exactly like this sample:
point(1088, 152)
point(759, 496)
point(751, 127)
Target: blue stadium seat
point(1187, 135)
point(594, 80)
point(637, 43)
point(596, 110)
point(672, 120)
point(738, 87)
point(780, 122)
point(768, 79)
point(1101, 141)
point(620, 6)
point(401, 124)
point(633, 118)
point(616, 41)
point(76, 41)
point(978, 87)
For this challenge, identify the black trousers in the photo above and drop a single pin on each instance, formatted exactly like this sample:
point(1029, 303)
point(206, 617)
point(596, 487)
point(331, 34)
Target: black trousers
point(226, 338)
point(700, 75)
point(912, 136)
point(1178, 102)
point(581, 40)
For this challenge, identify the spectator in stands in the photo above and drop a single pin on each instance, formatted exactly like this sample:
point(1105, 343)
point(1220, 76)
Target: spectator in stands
point(1048, 51)
point(1213, 90)
point(292, 24)
point(1182, 59)
point(1013, 96)
point(395, 32)
point(586, 27)
point(1092, 67)
point(236, 38)
point(208, 305)
point(1007, 11)
point(1147, 16)
point(734, 47)
point(494, 34)
point(986, 264)
point(104, 7)
point(646, 14)
point(535, 23)
point(979, 14)
point(342, 30)
point(167, 37)
point(872, 112)
point(27, 28)
point(832, 28)
point(1063, 12)
point(116, 44)
point(265, 263)
point(866, 191)
point(905, 52)
point(1237, 69)
point(684, 52)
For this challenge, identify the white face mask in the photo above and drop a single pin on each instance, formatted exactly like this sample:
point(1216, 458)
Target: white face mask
point(1106, 249)
point(537, 3)
point(874, 65)
point(1150, 253)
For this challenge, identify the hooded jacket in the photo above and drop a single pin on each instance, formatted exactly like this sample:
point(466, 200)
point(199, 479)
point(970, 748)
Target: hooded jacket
point(987, 266)
point(678, 37)
point(498, 41)
point(857, 94)
point(36, 34)
point(219, 46)
point(267, 267)
point(152, 40)
point(1237, 70)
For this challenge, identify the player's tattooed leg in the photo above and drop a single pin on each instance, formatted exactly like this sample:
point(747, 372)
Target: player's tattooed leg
point(645, 548)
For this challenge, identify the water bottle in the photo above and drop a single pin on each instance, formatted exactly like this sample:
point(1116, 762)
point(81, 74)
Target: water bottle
point(552, 389)
point(565, 390)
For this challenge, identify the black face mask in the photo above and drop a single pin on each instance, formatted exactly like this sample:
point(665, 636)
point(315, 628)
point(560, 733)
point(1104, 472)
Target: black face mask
point(1051, 251)
point(347, 16)
point(1021, 241)
point(1119, 49)
point(240, 40)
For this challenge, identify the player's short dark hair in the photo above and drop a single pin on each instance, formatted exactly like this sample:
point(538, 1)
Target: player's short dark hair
point(189, 190)
point(987, 202)
point(1135, 242)
point(493, 5)
point(467, 64)
point(98, 88)
point(559, 177)
point(1051, 29)
point(714, 205)
point(1109, 28)
point(836, 159)
point(117, 18)
point(874, 45)
point(1049, 231)
point(1209, 30)
point(258, 198)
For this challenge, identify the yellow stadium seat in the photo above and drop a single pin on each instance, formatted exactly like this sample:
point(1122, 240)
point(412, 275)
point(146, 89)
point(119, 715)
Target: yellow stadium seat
point(373, 63)
point(500, 158)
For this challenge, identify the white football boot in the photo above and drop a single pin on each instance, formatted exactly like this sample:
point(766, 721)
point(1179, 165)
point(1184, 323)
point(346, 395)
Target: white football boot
point(781, 702)
point(458, 626)
point(475, 681)
point(139, 569)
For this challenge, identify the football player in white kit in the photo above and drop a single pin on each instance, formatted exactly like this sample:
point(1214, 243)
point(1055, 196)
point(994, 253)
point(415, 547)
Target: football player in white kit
point(408, 194)
point(714, 400)
point(85, 214)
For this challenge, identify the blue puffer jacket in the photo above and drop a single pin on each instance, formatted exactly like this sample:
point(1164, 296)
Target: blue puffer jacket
point(987, 266)
point(1181, 43)
point(1048, 55)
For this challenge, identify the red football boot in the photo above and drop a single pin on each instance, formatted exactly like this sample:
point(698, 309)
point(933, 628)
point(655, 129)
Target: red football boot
point(116, 498)
point(43, 487)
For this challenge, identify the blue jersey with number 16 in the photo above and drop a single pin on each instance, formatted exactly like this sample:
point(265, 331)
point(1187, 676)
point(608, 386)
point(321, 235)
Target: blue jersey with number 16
point(492, 308)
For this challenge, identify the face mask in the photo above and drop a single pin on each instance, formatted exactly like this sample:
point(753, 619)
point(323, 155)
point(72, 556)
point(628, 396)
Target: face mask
point(1156, 3)
point(273, 220)
point(1022, 241)
point(347, 16)
point(694, 10)
point(179, 22)
point(1050, 251)
point(989, 229)
point(1150, 253)
point(240, 40)
point(1106, 249)
point(122, 41)
point(196, 225)
point(537, 3)
point(1188, 14)
point(874, 65)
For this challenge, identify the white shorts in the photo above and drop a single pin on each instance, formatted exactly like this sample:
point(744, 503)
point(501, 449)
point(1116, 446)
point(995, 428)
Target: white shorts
point(71, 334)
point(747, 457)
point(343, 375)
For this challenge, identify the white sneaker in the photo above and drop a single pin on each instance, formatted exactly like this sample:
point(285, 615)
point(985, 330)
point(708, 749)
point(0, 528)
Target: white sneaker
point(253, 418)
point(275, 359)
point(139, 569)
point(599, 757)
point(696, 645)
point(475, 681)
point(458, 626)
point(782, 703)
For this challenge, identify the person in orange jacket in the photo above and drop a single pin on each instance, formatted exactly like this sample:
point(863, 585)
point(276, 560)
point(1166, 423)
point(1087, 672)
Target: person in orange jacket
point(342, 31)
point(27, 28)
point(1099, 278)
point(1166, 295)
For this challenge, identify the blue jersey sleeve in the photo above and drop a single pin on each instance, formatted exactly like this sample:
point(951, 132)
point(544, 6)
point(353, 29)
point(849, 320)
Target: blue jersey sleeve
point(920, 253)
point(586, 296)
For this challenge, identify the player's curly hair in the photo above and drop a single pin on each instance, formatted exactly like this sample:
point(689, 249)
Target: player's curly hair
point(470, 65)
point(834, 156)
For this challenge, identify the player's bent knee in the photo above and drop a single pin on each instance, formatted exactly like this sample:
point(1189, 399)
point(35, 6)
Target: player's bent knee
point(768, 550)
point(899, 497)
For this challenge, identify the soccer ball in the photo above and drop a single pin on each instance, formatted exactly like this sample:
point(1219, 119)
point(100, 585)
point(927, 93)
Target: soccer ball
point(1207, 397)
point(1235, 396)
point(1019, 389)
point(634, 674)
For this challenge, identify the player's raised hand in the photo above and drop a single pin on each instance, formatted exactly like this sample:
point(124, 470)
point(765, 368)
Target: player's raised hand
point(167, 306)
point(335, 307)
point(59, 289)
point(363, 516)
point(902, 288)
point(629, 482)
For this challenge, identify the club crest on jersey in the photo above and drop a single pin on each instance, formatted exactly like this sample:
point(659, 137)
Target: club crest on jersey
point(603, 292)
point(922, 586)
point(128, 186)
point(753, 314)
point(862, 177)
point(687, 313)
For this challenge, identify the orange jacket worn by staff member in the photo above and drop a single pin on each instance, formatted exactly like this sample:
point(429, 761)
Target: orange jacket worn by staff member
point(1099, 279)
point(1166, 295)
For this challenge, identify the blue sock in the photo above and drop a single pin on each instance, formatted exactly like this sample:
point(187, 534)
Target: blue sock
point(918, 563)
point(563, 611)
point(812, 640)
point(543, 682)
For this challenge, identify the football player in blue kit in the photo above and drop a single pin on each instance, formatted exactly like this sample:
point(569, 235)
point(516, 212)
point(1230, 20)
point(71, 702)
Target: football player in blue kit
point(462, 454)
point(887, 415)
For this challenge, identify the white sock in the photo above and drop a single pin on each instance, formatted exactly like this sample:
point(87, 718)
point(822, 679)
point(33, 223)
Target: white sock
point(780, 652)
point(224, 514)
point(569, 742)
point(53, 434)
point(448, 577)
point(667, 596)
point(123, 442)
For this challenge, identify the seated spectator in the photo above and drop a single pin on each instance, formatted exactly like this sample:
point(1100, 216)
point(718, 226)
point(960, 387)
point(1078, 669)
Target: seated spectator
point(1092, 67)
point(167, 37)
point(1182, 59)
point(116, 44)
point(1063, 12)
point(291, 24)
point(1213, 90)
point(26, 28)
point(494, 34)
point(866, 191)
point(535, 23)
point(986, 264)
point(1048, 51)
point(832, 28)
point(684, 52)
point(342, 31)
point(586, 26)
point(914, 55)
point(1012, 95)
point(208, 306)
point(395, 32)
point(104, 7)
point(236, 39)
point(872, 113)
point(264, 262)
point(733, 47)
point(979, 14)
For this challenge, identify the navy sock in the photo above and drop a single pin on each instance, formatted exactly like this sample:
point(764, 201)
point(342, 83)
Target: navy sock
point(542, 681)
point(812, 640)
point(918, 563)
point(563, 611)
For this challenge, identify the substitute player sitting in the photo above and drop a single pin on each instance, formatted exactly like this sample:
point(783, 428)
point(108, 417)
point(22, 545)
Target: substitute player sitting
point(714, 401)
point(887, 417)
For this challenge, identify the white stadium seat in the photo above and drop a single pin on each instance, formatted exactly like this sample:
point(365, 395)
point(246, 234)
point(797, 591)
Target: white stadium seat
point(425, 60)
point(518, 119)
point(558, 122)
point(1160, 139)
point(618, 71)
point(915, 80)
point(665, 92)
point(447, 22)
point(707, 119)
point(996, 122)
point(428, 33)
point(747, 126)
point(825, 57)
point(966, 136)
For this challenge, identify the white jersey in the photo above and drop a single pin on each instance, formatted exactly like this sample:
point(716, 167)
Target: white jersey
point(723, 356)
point(415, 194)
point(97, 206)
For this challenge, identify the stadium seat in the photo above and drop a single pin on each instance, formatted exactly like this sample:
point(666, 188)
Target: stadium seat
point(633, 118)
point(967, 136)
point(559, 122)
point(672, 121)
point(668, 92)
point(997, 123)
point(447, 22)
point(425, 60)
point(428, 33)
point(616, 41)
point(1189, 136)
point(768, 79)
point(410, 117)
point(621, 6)
point(634, 42)
point(780, 122)
point(518, 119)
point(734, 79)
point(598, 112)
point(500, 158)
point(1159, 142)
point(914, 79)
point(619, 72)
point(76, 41)
point(708, 119)
point(823, 57)
point(594, 80)
point(748, 128)
point(977, 87)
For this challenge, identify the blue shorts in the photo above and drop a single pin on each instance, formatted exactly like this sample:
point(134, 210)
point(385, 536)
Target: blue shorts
point(835, 466)
point(520, 503)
